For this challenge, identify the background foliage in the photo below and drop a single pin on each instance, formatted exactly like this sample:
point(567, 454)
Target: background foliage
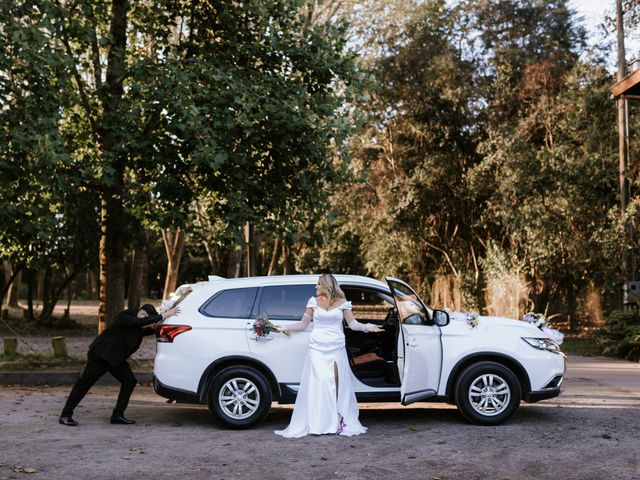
point(468, 147)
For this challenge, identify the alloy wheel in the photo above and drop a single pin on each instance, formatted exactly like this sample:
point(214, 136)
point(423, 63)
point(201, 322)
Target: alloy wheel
point(489, 394)
point(239, 398)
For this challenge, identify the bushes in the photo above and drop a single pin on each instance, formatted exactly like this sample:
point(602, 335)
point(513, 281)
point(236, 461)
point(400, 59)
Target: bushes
point(621, 335)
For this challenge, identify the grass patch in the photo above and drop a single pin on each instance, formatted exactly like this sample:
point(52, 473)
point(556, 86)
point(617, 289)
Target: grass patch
point(50, 327)
point(16, 363)
point(38, 362)
point(585, 346)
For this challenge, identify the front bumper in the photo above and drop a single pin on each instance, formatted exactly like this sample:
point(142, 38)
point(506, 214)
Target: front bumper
point(553, 388)
point(532, 397)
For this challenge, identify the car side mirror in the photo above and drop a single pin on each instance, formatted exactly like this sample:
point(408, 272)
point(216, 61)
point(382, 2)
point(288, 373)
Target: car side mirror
point(441, 318)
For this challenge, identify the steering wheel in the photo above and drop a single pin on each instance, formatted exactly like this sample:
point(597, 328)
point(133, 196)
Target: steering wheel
point(391, 320)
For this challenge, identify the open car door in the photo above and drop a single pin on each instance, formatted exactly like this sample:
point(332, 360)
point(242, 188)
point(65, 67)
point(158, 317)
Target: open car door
point(419, 346)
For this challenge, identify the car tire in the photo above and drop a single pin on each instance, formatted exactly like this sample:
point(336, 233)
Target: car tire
point(487, 393)
point(239, 397)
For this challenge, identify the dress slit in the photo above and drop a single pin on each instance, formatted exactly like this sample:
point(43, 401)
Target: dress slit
point(336, 378)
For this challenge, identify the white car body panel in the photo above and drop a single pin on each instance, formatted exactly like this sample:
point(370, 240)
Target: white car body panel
point(499, 336)
point(420, 365)
point(427, 355)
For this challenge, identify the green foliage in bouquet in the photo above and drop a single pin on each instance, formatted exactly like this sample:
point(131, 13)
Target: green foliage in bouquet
point(621, 335)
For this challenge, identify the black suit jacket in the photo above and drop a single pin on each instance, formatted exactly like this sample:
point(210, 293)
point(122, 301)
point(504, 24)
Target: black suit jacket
point(122, 337)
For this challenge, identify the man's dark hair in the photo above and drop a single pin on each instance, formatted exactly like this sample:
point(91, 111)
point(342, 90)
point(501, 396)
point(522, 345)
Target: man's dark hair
point(150, 309)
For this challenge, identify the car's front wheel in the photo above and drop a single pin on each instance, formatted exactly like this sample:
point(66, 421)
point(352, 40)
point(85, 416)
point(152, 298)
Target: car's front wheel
point(487, 393)
point(239, 397)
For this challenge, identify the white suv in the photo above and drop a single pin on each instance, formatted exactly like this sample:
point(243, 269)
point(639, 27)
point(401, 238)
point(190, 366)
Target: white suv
point(209, 353)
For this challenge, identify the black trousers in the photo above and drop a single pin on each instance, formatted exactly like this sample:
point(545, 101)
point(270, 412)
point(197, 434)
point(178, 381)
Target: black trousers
point(96, 367)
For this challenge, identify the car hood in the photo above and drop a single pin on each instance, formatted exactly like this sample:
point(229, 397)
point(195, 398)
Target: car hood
point(459, 320)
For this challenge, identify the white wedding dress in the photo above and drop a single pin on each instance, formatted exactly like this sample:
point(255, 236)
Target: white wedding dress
point(322, 407)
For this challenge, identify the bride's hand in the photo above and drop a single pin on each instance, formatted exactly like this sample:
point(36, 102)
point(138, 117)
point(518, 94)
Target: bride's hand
point(372, 328)
point(285, 331)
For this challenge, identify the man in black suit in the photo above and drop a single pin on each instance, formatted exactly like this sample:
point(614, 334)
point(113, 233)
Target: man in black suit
point(109, 353)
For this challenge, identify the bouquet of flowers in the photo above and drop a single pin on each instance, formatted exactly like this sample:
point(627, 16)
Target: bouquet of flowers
point(472, 319)
point(540, 321)
point(536, 319)
point(263, 327)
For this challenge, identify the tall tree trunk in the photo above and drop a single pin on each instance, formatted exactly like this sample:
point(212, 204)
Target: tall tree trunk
point(8, 278)
point(274, 257)
point(571, 307)
point(13, 294)
point(51, 293)
point(250, 241)
point(39, 291)
point(235, 264)
point(47, 293)
point(286, 253)
point(135, 276)
point(93, 286)
point(5, 272)
point(112, 262)
point(139, 262)
point(174, 246)
point(31, 286)
point(112, 265)
point(212, 255)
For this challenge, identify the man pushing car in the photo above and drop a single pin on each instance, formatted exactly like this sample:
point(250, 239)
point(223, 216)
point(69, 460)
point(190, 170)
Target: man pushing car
point(108, 353)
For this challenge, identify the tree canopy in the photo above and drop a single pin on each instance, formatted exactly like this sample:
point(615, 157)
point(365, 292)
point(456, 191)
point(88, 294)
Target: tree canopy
point(488, 147)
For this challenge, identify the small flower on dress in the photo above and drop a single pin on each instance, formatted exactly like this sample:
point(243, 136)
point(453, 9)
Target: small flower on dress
point(340, 425)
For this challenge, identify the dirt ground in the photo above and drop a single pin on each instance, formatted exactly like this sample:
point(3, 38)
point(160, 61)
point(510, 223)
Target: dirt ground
point(588, 433)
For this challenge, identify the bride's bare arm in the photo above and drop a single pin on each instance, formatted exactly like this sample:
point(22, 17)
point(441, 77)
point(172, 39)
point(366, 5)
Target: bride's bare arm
point(360, 327)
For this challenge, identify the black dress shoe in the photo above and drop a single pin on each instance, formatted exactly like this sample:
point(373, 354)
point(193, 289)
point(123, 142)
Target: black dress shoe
point(121, 420)
point(68, 421)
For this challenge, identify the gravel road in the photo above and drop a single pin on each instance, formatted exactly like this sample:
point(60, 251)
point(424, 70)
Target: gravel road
point(589, 433)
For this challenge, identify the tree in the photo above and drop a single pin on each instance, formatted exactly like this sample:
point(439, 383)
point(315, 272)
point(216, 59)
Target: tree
point(546, 177)
point(45, 215)
point(490, 143)
point(413, 216)
point(158, 101)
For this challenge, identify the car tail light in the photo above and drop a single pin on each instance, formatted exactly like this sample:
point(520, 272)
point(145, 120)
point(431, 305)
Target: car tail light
point(166, 333)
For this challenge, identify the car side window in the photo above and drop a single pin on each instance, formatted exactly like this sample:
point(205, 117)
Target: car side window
point(368, 304)
point(285, 302)
point(233, 303)
point(411, 310)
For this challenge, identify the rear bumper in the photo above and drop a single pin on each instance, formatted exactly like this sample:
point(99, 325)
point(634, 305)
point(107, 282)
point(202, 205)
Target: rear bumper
point(175, 394)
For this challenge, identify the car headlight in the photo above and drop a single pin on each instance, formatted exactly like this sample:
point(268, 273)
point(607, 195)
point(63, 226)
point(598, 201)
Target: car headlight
point(543, 344)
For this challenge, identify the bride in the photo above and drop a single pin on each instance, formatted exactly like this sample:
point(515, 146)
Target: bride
point(326, 402)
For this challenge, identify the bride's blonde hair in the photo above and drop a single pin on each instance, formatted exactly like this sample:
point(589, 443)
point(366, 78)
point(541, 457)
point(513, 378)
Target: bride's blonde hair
point(329, 286)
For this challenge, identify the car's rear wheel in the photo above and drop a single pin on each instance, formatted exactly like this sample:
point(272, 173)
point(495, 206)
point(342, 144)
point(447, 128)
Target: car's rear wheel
point(239, 397)
point(487, 393)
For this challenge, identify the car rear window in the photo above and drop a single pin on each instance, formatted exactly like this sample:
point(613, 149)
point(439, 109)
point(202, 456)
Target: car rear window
point(234, 303)
point(285, 302)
